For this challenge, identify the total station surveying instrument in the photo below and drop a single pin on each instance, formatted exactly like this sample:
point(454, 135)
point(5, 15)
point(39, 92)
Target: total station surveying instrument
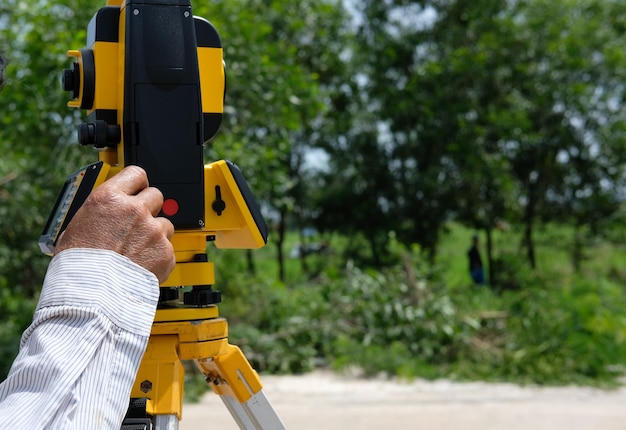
point(152, 81)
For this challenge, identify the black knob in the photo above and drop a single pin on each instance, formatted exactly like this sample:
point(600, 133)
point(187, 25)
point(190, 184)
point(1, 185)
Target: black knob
point(71, 80)
point(99, 134)
point(202, 295)
point(168, 294)
point(87, 134)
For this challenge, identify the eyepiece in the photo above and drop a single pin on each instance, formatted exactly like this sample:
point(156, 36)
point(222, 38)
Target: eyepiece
point(99, 134)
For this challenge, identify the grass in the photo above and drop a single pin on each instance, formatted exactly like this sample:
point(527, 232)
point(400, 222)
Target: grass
point(553, 253)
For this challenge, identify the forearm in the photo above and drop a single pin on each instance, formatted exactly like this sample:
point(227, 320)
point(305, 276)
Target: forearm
point(86, 341)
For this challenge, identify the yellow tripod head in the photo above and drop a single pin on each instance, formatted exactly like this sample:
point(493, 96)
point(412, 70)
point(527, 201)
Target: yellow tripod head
point(152, 81)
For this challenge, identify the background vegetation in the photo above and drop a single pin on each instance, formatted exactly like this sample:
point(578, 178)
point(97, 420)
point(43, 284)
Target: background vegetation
point(380, 135)
point(418, 319)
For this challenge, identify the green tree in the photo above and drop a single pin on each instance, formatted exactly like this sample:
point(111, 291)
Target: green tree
point(549, 103)
point(490, 110)
point(276, 53)
point(37, 139)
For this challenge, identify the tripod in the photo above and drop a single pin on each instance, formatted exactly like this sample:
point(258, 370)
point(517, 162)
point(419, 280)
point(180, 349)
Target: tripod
point(199, 335)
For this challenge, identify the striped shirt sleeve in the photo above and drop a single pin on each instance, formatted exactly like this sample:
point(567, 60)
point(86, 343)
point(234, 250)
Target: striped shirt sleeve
point(79, 357)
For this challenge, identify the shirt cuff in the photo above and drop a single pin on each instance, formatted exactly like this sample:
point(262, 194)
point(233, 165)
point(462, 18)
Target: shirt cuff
point(123, 291)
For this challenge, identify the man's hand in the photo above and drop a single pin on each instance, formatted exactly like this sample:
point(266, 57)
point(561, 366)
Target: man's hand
point(121, 215)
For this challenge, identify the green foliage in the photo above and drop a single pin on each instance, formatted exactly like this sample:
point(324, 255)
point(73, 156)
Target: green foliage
point(487, 110)
point(275, 327)
point(480, 111)
point(576, 330)
point(410, 320)
point(510, 271)
point(552, 335)
point(384, 322)
point(17, 314)
point(38, 146)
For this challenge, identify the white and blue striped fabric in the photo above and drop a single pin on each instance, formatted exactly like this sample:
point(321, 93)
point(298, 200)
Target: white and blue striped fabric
point(78, 359)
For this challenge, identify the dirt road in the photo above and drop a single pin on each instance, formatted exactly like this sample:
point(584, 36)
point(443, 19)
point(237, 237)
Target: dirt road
point(322, 400)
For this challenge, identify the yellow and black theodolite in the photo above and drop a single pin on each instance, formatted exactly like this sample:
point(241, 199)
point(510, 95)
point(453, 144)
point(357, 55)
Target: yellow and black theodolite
point(152, 81)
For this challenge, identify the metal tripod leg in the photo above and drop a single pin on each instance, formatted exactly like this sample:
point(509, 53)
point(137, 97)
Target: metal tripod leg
point(235, 381)
point(254, 414)
point(166, 422)
point(257, 413)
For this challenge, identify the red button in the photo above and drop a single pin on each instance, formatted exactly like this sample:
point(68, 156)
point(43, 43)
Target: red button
point(170, 207)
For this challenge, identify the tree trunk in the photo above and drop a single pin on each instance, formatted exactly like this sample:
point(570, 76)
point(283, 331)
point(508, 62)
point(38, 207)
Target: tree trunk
point(303, 252)
point(374, 248)
point(528, 242)
point(488, 233)
point(279, 246)
point(577, 249)
point(529, 216)
point(250, 259)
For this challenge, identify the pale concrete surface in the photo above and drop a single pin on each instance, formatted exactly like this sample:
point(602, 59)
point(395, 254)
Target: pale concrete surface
point(323, 400)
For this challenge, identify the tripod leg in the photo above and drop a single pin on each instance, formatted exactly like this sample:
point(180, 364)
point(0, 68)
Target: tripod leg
point(165, 422)
point(161, 379)
point(256, 413)
point(238, 412)
point(239, 386)
point(199, 335)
